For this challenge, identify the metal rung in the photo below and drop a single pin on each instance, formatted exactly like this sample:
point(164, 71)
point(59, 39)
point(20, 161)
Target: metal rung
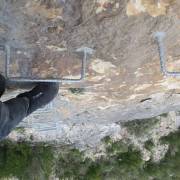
point(7, 51)
point(159, 36)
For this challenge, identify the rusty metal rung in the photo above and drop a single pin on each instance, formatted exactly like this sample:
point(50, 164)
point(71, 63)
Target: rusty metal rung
point(7, 51)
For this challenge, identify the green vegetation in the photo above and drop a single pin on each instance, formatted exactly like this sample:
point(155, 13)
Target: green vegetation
point(122, 161)
point(20, 130)
point(112, 148)
point(141, 126)
point(149, 145)
point(25, 161)
point(164, 115)
point(119, 163)
point(76, 90)
point(71, 164)
point(169, 167)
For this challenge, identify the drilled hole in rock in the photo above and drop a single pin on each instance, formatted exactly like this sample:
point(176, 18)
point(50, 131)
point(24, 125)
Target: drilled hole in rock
point(146, 99)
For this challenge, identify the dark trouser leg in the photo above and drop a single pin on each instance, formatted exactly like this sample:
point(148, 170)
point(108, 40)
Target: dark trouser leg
point(12, 113)
point(41, 95)
point(2, 85)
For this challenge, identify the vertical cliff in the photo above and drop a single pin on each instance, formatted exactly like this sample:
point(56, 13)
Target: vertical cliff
point(123, 77)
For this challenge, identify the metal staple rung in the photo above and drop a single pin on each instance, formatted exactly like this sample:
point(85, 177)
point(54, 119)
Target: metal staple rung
point(7, 50)
point(159, 36)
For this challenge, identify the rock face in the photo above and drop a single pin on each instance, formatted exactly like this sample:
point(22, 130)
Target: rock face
point(123, 80)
